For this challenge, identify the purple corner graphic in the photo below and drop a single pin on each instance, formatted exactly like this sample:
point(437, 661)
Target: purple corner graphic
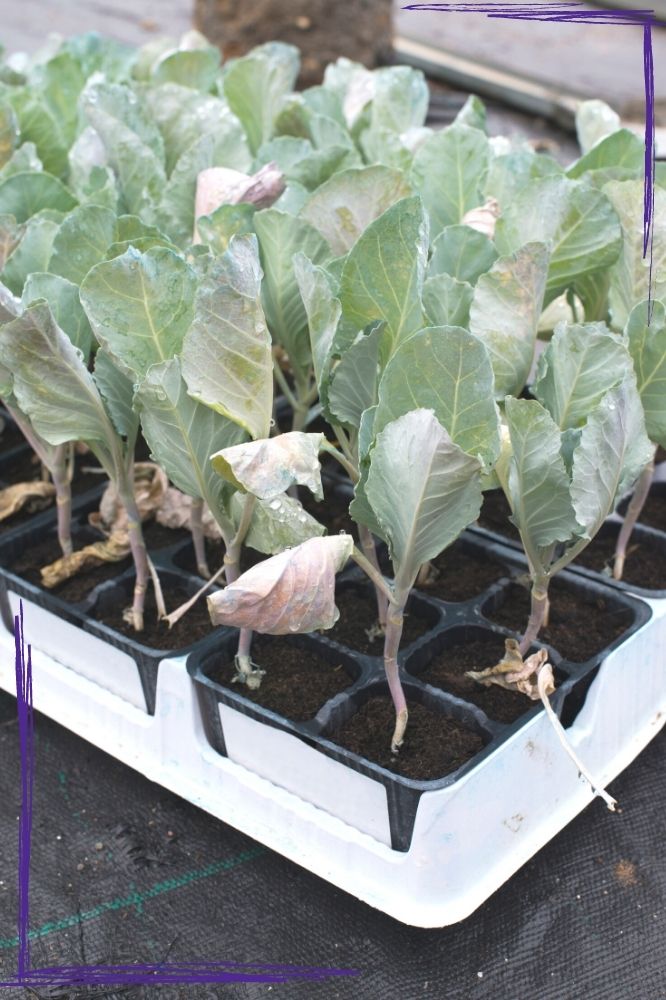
point(180, 973)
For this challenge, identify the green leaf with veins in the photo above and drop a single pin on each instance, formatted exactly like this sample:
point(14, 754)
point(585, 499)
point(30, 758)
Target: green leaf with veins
point(537, 483)
point(447, 370)
point(345, 205)
point(447, 301)
point(383, 274)
point(630, 276)
point(581, 363)
point(24, 195)
point(182, 435)
point(33, 251)
point(256, 84)
point(51, 381)
point(463, 253)
point(576, 220)
point(118, 394)
point(227, 359)
point(423, 490)
point(354, 380)
point(449, 171)
point(280, 237)
point(647, 346)
point(505, 311)
point(140, 307)
point(63, 298)
point(612, 452)
point(277, 524)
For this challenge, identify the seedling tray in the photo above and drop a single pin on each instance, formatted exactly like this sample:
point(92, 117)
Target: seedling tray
point(521, 790)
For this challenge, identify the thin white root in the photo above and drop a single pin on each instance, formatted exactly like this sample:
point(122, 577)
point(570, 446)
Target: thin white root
point(543, 675)
point(176, 615)
point(159, 596)
point(399, 732)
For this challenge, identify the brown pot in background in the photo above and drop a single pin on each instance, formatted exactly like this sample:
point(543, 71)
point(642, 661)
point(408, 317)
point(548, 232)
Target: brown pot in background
point(323, 30)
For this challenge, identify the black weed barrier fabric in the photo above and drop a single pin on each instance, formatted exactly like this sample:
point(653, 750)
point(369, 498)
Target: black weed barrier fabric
point(122, 870)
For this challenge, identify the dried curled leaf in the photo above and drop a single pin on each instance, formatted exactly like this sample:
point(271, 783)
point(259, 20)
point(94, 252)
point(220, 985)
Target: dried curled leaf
point(115, 548)
point(483, 218)
point(175, 512)
point(290, 592)
point(150, 486)
point(516, 674)
point(33, 497)
point(267, 468)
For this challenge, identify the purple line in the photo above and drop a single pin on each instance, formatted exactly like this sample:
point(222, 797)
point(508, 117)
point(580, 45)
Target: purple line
point(26, 743)
point(571, 11)
point(108, 975)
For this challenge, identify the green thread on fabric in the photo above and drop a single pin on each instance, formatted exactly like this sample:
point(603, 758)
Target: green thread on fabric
point(136, 899)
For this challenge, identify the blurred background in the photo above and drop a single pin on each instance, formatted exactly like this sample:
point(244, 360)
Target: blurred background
point(540, 69)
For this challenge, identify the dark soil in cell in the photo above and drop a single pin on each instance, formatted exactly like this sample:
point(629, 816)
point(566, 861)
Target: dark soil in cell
point(333, 513)
point(156, 536)
point(434, 745)
point(77, 588)
point(495, 514)
point(462, 574)
point(654, 511)
point(448, 670)
point(10, 435)
point(297, 683)
point(215, 556)
point(193, 626)
point(644, 564)
point(23, 469)
point(358, 612)
point(660, 456)
point(580, 625)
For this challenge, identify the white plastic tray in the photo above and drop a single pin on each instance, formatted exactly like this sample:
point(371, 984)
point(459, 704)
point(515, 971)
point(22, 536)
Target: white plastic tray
point(519, 796)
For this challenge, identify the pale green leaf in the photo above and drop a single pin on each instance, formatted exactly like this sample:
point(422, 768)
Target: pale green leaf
point(25, 194)
point(10, 237)
point(23, 160)
point(63, 298)
point(620, 153)
point(595, 120)
point(343, 207)
point(51, 381)
point(33, 251)
point(117, 391)
point(447, 301)
point(195, 68)
point(277, 524)
point(612, 452)
point(382, 277)
point(82, 241)
point(463, 253)
point(280, 237)
point(256, 84)
point(538, 484)
point(581, 363)
point(354, 381)
point(182, 434)
point(449, 171)
point(140, 307)
point(630, 277)
point(576, 220)
point(473, 113)
point(423, 489)
point(647, 346)
point(505, 314)
point(216, 229)
point(447, 370)
point(9, 133)
point(227, 359)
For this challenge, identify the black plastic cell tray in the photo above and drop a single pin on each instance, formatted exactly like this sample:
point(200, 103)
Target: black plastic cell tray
point(367, 678)
point(104, 594)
